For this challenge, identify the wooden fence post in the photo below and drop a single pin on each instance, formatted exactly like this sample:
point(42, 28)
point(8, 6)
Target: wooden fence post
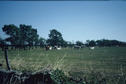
point(6, 58)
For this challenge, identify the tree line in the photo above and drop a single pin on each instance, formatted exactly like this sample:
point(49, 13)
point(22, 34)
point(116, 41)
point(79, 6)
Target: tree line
point(26, 35)
point(105, 42)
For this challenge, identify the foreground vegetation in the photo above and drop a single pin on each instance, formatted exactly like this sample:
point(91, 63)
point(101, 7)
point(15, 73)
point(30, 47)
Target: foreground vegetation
point(89, 65)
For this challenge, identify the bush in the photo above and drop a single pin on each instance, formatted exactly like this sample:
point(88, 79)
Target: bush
point(59, 77)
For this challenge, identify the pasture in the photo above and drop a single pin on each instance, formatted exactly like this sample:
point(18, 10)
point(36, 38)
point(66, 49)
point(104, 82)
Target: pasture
point(75, 62)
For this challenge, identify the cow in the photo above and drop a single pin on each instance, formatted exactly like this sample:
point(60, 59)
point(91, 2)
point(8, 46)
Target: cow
point(77, 47)
point(47, 47)
point(91, 48)
point(50, 48)
point(57, 47)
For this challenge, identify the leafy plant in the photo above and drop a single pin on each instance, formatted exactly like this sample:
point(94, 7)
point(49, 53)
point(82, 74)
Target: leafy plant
point(59, 77)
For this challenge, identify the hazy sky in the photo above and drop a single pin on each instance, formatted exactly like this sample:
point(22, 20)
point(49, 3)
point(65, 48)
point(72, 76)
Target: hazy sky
point(76, 20)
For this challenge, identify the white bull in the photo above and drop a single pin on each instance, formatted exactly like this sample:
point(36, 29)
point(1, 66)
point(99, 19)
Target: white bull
point(58, 48)
point(92, 48)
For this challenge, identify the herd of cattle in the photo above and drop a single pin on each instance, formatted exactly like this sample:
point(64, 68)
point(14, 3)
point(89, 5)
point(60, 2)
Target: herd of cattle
point(59, 47)
point(46, 47)
point(50, 47)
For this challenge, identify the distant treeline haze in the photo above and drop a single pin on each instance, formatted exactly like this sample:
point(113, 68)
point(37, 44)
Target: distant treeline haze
point(26, 35)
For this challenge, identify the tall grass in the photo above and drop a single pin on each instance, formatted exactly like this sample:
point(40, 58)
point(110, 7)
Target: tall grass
point(75, 63)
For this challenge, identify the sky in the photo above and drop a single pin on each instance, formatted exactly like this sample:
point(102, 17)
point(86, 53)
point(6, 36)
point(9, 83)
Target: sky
point(76, 20)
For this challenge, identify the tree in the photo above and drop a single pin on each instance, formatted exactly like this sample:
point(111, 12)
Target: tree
point(99, 43)
point(34, 36)
point(92, 43)
point(79, 43)
point(1, 40)
point(42, 42)
point(109, 43)
point(13, 33)
point(22, 36)
point(70, 44)
point(28, 35)
point(55, 38)
point(64, 44)
point(2, 43)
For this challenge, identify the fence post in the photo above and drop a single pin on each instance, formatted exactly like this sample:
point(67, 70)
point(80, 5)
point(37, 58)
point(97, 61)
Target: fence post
point(6, 58)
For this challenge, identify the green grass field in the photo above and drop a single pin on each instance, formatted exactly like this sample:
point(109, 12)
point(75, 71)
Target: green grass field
point(111, 60)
